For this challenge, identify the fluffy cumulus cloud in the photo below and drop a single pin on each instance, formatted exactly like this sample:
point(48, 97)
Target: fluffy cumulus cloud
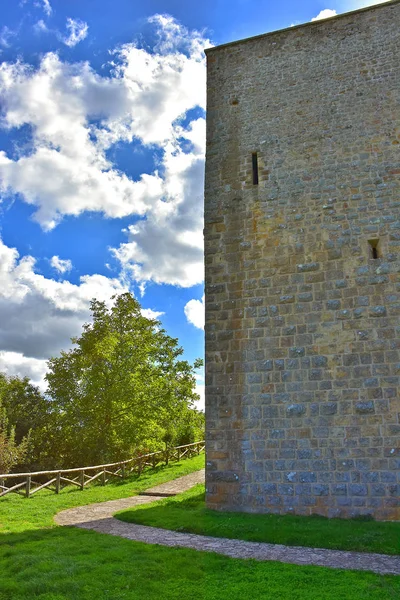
point(325, 14)
point(61, 265)
point(16, 364)
point(194, 311)
point(40, 315)
point(77, 115)
point(77, 31)
point(54, 101)
point(346, 6)
point(167, 246)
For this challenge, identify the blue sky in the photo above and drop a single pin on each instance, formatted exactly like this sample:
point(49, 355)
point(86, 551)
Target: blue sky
point(102, 134)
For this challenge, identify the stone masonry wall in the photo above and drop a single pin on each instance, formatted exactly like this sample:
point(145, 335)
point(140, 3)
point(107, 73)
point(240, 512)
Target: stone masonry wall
point(302, 322)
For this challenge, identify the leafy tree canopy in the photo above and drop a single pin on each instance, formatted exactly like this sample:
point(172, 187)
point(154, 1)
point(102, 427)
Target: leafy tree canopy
point(25, 406)
point(11, 453)
point(121, 388)
point(27, 414)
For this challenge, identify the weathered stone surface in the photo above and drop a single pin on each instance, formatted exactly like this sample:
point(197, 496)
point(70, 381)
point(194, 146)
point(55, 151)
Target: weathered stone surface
point(302, 321)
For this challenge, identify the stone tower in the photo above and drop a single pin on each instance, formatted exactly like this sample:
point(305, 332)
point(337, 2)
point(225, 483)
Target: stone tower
point(302, 240)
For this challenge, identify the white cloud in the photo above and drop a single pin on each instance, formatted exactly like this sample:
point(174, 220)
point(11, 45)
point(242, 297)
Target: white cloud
point(76, 115)
point(61, 265)
point(57, 100)
point(194, 311)
point(16, 364)
point(77, 31)
point(6, 34)
point(346, 6)
point(47, 7)
point(325, 14)
point(40, 27)
point(160, 86)
point(167, 246)
point(40, 315)
point(149, 313)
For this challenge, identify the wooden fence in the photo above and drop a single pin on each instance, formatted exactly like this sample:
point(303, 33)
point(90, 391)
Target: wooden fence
point(28, 484)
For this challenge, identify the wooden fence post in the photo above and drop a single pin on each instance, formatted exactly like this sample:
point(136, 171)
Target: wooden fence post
point(123, 470)
point(28, 486)
point(103, 477)
point(82, 479)
point(58, 482)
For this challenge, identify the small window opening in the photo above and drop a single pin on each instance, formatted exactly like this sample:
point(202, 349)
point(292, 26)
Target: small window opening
point(374, 251)
point(254, 159)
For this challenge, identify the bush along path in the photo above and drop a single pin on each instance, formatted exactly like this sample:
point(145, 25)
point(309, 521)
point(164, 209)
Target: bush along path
point(99, 518)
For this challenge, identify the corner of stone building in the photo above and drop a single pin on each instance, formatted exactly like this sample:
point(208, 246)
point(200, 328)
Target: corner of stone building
point(302, 270)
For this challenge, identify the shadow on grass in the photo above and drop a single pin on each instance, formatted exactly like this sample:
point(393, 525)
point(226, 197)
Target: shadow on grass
point(73, 564)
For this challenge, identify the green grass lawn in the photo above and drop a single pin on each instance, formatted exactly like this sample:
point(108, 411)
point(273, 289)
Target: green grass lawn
point(43, 561)
point(73, 564)
point(187, 513)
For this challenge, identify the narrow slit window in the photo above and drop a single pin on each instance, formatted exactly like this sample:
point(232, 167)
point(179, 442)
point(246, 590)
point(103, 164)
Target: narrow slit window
point(373, 246)
point(254, 159)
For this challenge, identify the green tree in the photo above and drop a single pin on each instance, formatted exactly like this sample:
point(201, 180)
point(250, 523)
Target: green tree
point(25, 406)
point(119, 388)
point(28, 413)
point(191, 428)
point(11, 453)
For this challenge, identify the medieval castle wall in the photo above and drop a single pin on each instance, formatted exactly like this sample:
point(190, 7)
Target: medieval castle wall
point(302, 269)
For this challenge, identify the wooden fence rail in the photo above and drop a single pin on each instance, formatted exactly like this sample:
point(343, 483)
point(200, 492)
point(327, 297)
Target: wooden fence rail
point(28, 484)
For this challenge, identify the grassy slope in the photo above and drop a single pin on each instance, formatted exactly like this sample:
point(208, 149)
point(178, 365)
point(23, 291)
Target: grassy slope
point(40, 560)
point(187, 512)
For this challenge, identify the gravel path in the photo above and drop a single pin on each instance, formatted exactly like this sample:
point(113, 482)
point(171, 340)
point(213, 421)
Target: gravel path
point(98, 517)
point(92, 516)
